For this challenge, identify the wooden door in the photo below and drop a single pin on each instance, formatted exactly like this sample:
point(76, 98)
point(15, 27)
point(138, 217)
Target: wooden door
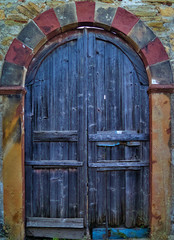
point(118, 139)
point(87, 137)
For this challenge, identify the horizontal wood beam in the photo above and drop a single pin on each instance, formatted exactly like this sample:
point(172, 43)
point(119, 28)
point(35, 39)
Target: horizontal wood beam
point(55, 136)
point(60, 233)
point(53, 163)
point(99, 137)
point(54, 222)
point(118, 164)
point(115, 143)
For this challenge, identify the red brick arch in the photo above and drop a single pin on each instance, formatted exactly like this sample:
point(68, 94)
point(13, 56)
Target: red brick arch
point(23, 48)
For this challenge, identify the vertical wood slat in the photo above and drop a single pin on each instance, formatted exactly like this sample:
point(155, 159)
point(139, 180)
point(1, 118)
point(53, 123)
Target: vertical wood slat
point(73, 125)
point(92, 126)
point(28, 193)
point(40, 193)
point(54, 194)
point(82, 124)
point(101, 111)
point(117, 198)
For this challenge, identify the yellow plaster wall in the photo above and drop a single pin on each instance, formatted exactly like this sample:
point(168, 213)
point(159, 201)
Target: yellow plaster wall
point(13, 168)
point(160, 163)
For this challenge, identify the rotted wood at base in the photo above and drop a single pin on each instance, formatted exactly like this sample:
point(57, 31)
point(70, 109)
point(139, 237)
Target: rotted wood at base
point(55, 233)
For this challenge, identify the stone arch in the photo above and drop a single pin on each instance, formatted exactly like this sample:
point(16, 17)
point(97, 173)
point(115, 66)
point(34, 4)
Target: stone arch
point(74, 14)
point(23, 48)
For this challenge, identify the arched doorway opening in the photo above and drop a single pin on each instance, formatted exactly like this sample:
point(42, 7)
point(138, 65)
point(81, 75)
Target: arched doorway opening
point(87, 138)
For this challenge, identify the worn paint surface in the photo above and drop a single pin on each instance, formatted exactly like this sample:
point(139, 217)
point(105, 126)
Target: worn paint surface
point(120, 233)
point(160, 165)
point(13, 166)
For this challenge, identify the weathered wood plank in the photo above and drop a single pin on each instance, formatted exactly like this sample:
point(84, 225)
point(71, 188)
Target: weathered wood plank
point(54, 194)
point(92, 126)
point(132, 197)
point(55, 233)
point(117, 200)
point(28, 193)
point(118, 164)
point(118, 137)
point(63, 193)
point(41, 192)
point(113, 144)
point(54, 163)
point(72, 193)
point(101, 198)
point(54, 222)
point(55, 136)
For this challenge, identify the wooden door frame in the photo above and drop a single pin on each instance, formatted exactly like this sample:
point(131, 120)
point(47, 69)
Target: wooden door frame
point(34, 35)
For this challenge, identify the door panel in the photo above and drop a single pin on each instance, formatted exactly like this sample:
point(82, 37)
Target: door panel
point(54, 106)
point(87, 135)
point(118, 145)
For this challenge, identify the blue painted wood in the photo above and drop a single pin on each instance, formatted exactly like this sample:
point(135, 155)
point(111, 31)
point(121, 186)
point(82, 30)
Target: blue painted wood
point(120, 233)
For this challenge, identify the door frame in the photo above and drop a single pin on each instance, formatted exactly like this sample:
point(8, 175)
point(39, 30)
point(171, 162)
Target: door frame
point(127, 26)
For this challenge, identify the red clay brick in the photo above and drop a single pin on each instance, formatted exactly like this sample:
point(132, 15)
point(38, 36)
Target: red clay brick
point(124, 20)
point(85, 11)
point(154, 52)
point(19, 54)
point(48, 22)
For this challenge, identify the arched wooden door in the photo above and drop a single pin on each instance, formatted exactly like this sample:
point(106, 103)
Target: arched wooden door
point(87, 139)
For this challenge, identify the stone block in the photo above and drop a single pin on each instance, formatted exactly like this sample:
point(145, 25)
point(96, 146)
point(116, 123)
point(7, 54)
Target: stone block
point(12, 75)
point(104, 15)
point(154, 53)
point(160, 73)
point(66, 14)
point(124, 20)
point(7, 41)
point(167, 12)
point(30, 10)
point(24, 10)
point(2, 14)
point(17, 18)
point(48, 23)
point(141, 34)
point(85, 12)
point(33, 8)
point(32, 36)
point(19, 54)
